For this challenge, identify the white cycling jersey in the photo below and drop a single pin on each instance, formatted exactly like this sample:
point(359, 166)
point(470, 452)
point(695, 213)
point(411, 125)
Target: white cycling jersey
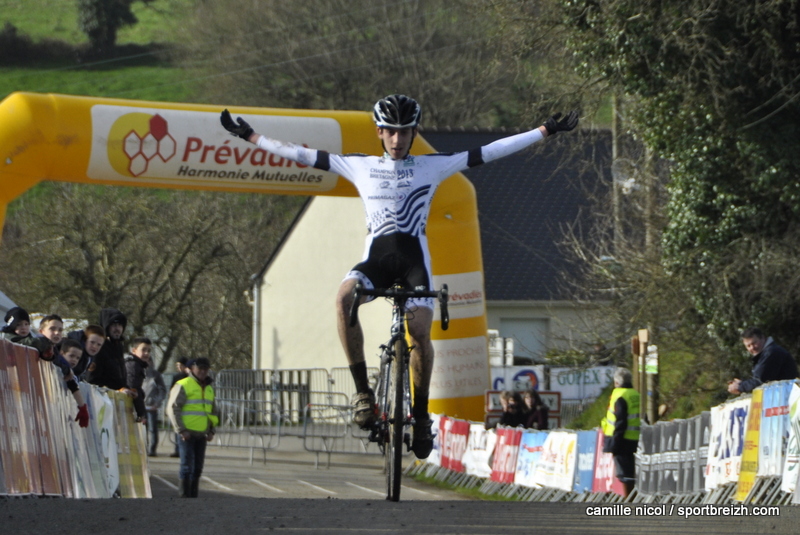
point(397, 194)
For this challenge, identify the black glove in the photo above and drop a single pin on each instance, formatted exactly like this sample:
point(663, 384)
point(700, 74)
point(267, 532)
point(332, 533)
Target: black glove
point(555, 124)
point(243, 130)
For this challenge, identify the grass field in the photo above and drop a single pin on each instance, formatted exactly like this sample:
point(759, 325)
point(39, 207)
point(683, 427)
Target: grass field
point(135, 75)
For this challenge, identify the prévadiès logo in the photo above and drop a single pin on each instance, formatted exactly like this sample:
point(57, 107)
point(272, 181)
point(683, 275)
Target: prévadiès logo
point(170, 146)
point(135, 139)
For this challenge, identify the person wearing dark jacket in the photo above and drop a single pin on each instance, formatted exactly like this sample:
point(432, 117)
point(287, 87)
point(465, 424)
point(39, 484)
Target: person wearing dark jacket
point(18, 330)
point(621, 428)
point(91, 340)
point(536, 413)
point(771, 362)
point(136, 371)
point(513, 409)
point(109, 364)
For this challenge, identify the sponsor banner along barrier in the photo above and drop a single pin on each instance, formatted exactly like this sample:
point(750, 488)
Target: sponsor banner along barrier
point(556, 466)
point(587, 451)
point(506, 450)
point(791, 467)
point(455, 434)
point(725, 445)
point(480, 447)
point(43, 450)
point(605, 479)
point(749, 464)
point(531, 446)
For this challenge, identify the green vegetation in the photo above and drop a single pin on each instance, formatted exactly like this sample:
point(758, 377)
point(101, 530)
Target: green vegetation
point(141, 68)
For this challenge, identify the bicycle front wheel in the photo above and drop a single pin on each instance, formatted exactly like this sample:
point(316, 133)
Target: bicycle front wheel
point(393, 451)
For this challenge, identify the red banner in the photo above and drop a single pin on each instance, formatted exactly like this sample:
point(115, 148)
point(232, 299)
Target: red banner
point(605, 479)
point(506, 452)
point(454, 443)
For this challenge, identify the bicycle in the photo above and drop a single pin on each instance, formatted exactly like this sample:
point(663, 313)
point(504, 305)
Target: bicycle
point(393, 394)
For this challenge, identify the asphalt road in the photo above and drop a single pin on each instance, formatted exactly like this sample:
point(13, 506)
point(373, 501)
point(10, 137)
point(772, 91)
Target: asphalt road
point(289, 494)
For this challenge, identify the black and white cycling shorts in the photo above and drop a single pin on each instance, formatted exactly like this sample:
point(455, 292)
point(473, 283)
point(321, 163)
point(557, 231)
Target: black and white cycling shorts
point(396, 258)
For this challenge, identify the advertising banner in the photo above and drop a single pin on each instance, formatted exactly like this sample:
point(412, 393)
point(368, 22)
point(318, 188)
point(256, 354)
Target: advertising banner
point(27, 473)
point(435, 458)
point(726, 443)
point(749, 464)
point(51, 483)
point(454, 443)
point(791, 467)
point(530, 450)
point(605, 479)
point(504, 465)
point(774, 428)
point(131, 456)
point(106, 428)
point(575, 383)
point(477, 458)
point(587, 452)
point(556, 466)
point(517, 378)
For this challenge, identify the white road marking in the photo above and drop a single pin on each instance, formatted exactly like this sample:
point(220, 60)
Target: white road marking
point(268, 487)
point(365, 489)
point(164, 481)
point(315, 487)
point(219, 485)
point(421, 491)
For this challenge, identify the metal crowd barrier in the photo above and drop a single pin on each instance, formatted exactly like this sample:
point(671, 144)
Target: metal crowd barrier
point(258, 407)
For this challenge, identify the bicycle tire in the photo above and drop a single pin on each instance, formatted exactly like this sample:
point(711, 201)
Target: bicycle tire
point(393, 452)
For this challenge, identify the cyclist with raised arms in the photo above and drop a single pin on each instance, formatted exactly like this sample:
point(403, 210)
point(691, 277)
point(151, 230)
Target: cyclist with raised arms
point(397, 189)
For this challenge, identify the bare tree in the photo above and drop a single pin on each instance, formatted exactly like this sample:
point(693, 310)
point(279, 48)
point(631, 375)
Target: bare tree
point(176, 263)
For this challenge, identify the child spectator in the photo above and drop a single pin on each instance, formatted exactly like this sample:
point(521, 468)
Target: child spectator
point(135, 367)
point(109, 364)
point(91, 340)
point(18, 330)
point(71, 352)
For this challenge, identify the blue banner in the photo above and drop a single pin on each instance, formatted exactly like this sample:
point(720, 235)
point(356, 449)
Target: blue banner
point(584, 475)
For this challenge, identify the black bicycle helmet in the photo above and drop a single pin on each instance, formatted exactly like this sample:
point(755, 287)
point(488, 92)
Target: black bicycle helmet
point(397, 111)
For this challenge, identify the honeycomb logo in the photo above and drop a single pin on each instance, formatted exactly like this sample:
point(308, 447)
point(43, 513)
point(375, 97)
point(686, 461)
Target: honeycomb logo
point(136, 140)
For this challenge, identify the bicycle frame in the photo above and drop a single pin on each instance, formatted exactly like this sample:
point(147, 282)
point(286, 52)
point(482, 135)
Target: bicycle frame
point(393, 395)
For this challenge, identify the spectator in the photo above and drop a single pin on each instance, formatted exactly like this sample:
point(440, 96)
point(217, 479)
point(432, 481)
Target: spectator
point(513, 409)
point(193, 413)
point(135, 368)
point(71, 353)
point(536, 412)
point(51, 327)
point(181, 368)
point(155, 391)
point(621, 428)
point(771, 362)
point(109, 364)
point(91, 339)
point(18, 330)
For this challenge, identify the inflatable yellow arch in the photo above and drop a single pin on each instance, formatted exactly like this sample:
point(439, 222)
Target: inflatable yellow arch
point(168, 145)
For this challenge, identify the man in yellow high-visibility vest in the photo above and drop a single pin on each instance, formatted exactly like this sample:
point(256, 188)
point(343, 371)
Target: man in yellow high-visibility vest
point(193, 413)
point(621, 427)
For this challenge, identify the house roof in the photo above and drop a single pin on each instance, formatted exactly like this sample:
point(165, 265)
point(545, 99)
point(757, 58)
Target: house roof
point(525, 202)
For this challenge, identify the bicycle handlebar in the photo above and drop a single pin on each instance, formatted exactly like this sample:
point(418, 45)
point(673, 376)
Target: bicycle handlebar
point(399, 294)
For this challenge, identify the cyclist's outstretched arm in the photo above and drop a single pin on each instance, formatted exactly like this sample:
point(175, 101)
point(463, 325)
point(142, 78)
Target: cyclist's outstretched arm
point(509, 145)
point(303, 155)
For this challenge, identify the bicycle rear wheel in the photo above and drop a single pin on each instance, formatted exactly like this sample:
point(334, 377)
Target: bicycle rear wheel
point(393, 450)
